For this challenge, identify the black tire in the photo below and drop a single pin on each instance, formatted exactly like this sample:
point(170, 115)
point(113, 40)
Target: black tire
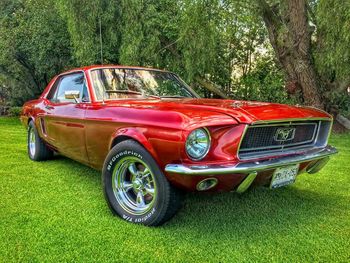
point(163, 204)
point(41, 152)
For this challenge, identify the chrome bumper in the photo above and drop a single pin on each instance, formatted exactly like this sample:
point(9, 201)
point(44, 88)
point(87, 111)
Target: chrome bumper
point(251, 167)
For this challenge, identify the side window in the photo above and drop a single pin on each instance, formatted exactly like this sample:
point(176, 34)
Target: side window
point(51, 95)
point(70, 82)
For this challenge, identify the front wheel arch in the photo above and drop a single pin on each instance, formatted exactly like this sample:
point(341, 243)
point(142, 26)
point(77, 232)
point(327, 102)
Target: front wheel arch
point(120, 139)
point(135, 135)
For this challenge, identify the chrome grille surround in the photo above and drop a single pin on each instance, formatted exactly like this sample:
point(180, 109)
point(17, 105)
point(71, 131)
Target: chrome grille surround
point(258, 139)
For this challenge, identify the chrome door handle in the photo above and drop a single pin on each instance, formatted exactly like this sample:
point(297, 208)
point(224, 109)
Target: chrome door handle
point(48, 107)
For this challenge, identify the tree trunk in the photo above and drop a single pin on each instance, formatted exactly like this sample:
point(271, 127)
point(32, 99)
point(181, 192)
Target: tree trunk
point(290, 36)
point(211, 87)
point(343, 121)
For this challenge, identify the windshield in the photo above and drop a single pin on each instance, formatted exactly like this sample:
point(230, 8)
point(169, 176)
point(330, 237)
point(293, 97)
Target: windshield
point(117, 83)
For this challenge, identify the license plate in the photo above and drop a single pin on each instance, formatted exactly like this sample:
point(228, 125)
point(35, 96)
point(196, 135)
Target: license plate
point(284, 176)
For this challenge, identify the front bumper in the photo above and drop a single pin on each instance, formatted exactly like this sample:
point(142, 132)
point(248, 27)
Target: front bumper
point(255, 166)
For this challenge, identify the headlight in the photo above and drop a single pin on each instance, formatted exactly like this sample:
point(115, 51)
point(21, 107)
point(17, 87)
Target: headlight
point(198, 144)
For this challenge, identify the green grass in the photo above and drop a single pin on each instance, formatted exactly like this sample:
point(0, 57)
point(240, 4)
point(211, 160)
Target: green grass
point(55, 211)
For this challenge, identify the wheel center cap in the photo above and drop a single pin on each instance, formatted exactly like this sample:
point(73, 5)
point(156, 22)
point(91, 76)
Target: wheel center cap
point(137, 183)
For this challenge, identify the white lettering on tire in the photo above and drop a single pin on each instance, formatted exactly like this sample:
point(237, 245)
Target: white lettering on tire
point(120, 154)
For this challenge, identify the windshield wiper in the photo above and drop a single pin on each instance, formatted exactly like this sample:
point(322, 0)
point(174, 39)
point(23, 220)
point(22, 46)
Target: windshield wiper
point(151, 96)
point(174, 96)
point(133, 92)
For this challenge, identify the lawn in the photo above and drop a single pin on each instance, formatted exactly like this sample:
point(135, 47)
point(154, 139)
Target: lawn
point(55, 211)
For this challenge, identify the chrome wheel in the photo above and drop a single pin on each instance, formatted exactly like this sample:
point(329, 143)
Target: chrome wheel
point(134, 186)
point(31, 141)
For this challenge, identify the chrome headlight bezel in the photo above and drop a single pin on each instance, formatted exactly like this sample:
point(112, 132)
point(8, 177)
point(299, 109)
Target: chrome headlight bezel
point(191, 136)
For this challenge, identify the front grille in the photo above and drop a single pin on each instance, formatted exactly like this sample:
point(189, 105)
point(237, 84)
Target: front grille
point(272, 137)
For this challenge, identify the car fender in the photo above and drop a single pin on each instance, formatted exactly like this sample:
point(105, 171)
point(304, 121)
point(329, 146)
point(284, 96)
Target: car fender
point(136, 134)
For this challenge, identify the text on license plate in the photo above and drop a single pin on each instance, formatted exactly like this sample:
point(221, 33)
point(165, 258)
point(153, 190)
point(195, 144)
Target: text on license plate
point(284, 176)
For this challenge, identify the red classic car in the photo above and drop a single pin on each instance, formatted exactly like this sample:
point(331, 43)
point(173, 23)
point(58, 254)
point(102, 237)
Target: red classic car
point(153, 137)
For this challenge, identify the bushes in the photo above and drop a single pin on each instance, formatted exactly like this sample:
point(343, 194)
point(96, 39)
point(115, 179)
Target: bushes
point(4, 110)
point(10, 111)
point(15, 111)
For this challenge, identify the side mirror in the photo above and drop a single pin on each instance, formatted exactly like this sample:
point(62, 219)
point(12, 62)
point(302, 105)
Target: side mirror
point(72, 95)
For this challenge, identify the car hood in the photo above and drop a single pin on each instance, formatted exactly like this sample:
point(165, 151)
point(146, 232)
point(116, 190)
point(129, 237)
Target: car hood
point(252, 111)
point(241, 111)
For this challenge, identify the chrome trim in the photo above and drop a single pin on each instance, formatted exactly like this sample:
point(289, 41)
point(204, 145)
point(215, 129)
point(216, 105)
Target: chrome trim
point(280, 147)
point(317, 165)
point(58, 78)
point(285, 123)
point(285, 137)
point(290, 148)
point(330, 130)
point(243, 186)
point(299, 149)
point(206, 152)
point(135, 68)
point(293, 120)
point(31, 142)
point(252, 166)
point(241, 140)
point(134, 188)
point(214, 182)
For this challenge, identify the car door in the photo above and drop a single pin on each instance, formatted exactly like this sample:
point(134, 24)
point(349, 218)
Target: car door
point(64, 125)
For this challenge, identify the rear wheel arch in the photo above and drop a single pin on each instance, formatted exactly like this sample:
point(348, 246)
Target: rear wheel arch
point(30, 119)
point(37, 149)
point(26, 120)
point(37, 121)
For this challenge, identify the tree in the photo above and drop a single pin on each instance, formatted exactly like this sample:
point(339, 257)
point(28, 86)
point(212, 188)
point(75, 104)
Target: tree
point(223, 45)
point(30, 33)
point(290, 34)
point(310, 40)
point(332, 53)
point(83, 24)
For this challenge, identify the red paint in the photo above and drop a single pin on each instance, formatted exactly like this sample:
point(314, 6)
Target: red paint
point(85, 132)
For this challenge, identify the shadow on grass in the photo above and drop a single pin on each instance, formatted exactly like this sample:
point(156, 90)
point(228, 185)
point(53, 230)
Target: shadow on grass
point(74, 168)
point(259, 210)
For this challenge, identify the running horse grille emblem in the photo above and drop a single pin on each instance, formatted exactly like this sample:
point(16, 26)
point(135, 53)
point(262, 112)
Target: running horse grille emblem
point(284, 134)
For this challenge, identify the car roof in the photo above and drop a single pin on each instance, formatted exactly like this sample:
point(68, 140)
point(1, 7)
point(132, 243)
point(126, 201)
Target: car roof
point(91, 67)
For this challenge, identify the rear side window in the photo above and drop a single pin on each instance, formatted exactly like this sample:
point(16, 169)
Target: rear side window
point(69, 82)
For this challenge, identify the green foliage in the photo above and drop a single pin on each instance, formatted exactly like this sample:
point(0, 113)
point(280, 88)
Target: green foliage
point(82, 18)
point(224, 42)
point(197, 38)
point(140, 32)
point(35, 46)
point(83, 23)
point(264, 83)
point(333, 23)
point(332, 53)
point(15, 111)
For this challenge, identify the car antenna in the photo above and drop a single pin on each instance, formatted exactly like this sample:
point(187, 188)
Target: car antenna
point(101, 47)
point(101, 53)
